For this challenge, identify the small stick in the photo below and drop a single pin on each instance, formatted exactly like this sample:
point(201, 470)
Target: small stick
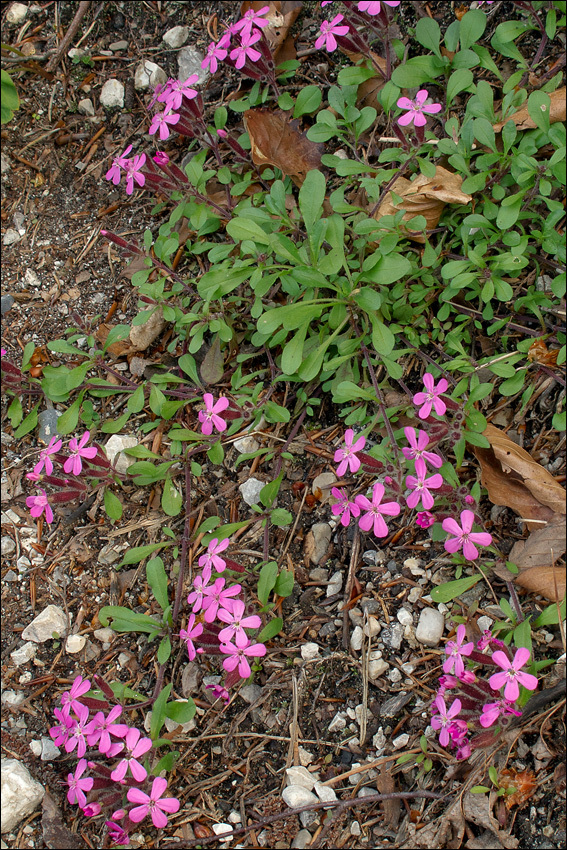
point(69, 35)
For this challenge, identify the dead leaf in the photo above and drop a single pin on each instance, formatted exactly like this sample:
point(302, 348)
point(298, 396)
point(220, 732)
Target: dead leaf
point(276, 140)
point(522, 120)
point(424, 196)
point(117, 349)
point(367, 92)
point(282, 15)
point(477, 808)
point(212, 367)
point(55, 833)
point(142, 336)
point(535, 559)
point(386, 784)
point(538, 352)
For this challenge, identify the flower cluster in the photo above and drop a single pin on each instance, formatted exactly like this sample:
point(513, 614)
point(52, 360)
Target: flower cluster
point(250, 51)
point(478, 703)
point(84, 723)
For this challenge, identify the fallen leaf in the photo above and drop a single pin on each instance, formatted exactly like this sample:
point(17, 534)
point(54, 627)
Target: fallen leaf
point(538, 352)
point(276, 140)
point(424, 196)
point(117, 349)
point(212, 367)
point(522, 120)
point(55, 833)
point(142, 336)
point(477, 808)
point(367, 92)
point(535, 559)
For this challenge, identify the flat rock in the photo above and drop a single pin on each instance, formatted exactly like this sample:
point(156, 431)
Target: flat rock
point(191, 679)
point(112, 94)
point(309, 651)
point(6, 302)
point(250, 693)
point(430, 627)
point(24, 653)
point(86, 107)
point(142, 336)
point(116, 46)
point(317, 541)
point(377, 668)
point(247, 444)
point(11, 237)
point(356, 639)
point(296, 796)
point(116, 445)
point(148, 75)
point(15, 15)
point(47, 422)
point(301, 840)
point(338, 722)
point(21, 794)
point(49, 751)
point(325, 793)
point(7, 545)
point(75, 643)
point(189, 62)
point(176, 37)
point(52, 620)
point(300, 776)
point(251, 489)
point(323, 483)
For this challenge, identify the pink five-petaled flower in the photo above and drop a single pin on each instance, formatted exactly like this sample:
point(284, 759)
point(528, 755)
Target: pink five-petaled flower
point(176, 90)
point(217, 50)
point(44, 456)
point(422, 485)
point(118, 162)
point(216, 596)
point(373, 518)
point(416, 109)
point(192, 631)
point(329, 29)
point(237, 657)
point(343, 507)
point(492, 711)
point(133, 172)
point(60, 733)
point(74, 463)
point(419, 441)
point(78, 786)
point(443, 719)
point(155, 804)
point(211, 557)
point(161, 122)
point(160, 158)
point(92, 810)
point(425, 519)
point(245, 50)
point(209, 417)
point(195, 598)
point(512, 674)
point(347, 457)
point(251, 18)
point(237, 623)
point(78, 736)
point(70, 699)
point(455, 649)
point(103, 726)
point(464, 536)
point(39, 504)
point(219, 692)
point(117, 834)
point(373, 8)
point(134, 748)
point(431, 398)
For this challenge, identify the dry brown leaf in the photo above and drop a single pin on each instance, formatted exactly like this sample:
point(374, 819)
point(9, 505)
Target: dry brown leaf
point(522, 120)
point(281, 16)
point(424, 196)
point(535, 558)
point(275, 140)
point(367, 92)
point(142, 336)
point(477, 808)
point(117, 349)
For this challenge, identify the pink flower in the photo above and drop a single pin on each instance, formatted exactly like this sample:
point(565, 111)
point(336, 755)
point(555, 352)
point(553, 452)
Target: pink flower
point(419, 441)
point(443, 719)
point(343, 507)
point(216, 596)
point(245, 50)
point(492, 711)
point(102, 727)
point(416, 109)
point(512, 674)
point(92, 810)
point(117, 834)
point(219, 692)
point(373, 8)
point(329, 29)
point(39, 504)
point(464, 536)
point(44, 456)
point(425, 519)
point(70, 698)
point(118, 162)
point(192, 631)
point(373, 518)
point(455, 650)
point(160, 158)
point(195, 598)
point(211, 558)
point(161, 122)
point(421, 486)
point(347, 457)
point(251, 18)
point(133, 172)
point(155, 804)
point(3, 352)
point(134, 749)
point(238, 657)
point(237, 623)
point(78, 736)
point(432, 397)
point(74, 463)
point(78, 786)
point(215, 52)
point(209, 416)
point(174, 91)
point(60, 733)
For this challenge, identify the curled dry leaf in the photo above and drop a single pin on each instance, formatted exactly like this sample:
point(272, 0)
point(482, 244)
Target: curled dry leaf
point(477, 808)
point(281, 16)
point(424, 196)
point(535, 559)
point(275, 140)
point(142, 336)
point(522, 120)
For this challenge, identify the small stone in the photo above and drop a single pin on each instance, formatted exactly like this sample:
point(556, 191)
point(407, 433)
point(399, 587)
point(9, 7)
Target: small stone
point(251, 489)
point(49, 751)
point(15, 15)
point(308, 819)
point(301, 840)
point(176, 37)
point(392, 635)
point(394, 675)
point(6, 302)
point(365, 791)
point(355, 778)
point(222, 829)
point(47, 421)
point(415, 594)
point(106, 635)
point(377, 668)
point(116, 446)
point(75, 643)
point(250, 693)
point(355, 828)
point(189, 62)
point(356, 639)
point(116, 46)
point(4, 163)
point(246, 445)
point(325, 793)
point(404, 617)
point(7, 545)
point(323, 483)
point(296, 796)
point(300, 776)
point(11, 237)
point(401, 741)
point(338, 723)
point(335, 584)
point(10, 576)
point(85, 106)
point(412, 564)
point(31, 279)
point(23, 564)
point(108, 554)
point(147, 75)
point(309, 651)
point(305, 757)
point(430, 627)
point(372, 627)
point(484, 623)
point(112, 94)
point(77, 52)
point(13, 698)
point(35, 747)
point(24, 654)
point(234, 817)
point(52, 621)
point(393, 706)
point(317, 541)
point(21, 794)
point(319, 574)
point(191, 679)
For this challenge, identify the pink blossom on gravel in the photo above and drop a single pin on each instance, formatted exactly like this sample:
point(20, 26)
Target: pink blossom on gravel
point(39, 504)
point(346, 457)
point(374, 510)
point(464, 536)
point(78, 786)
point(209, 417)
point(211, 557)
point(74, 463)
point(44, 456)
point(512, 675)
point(421, 485)
point(343, 507)
point(238, 657)
point(416, 109)
point(154, 804)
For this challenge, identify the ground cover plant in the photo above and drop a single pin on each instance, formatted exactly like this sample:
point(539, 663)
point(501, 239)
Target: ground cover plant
point(384, 254)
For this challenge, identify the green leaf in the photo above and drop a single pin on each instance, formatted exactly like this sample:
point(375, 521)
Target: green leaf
point(9, 100)
point(157, 580)
point(275, 412)
point(285, 101)
point(187, 363)
point(308, 101)
point(484, 132)
point(244, 228)
point(388, 269)
point(164, 650)
point(349, 391)
point(124, 620)
point(458, 82)
point(171, 498)
point(216, 453)
point(138, 553)
point(428, 33)
point(311, 197)
point(539, 105)
point(513, 385)
point(281, 517)
point(383, 339)
point(472, 27)
point(453, 589)
point(68, 420)
point(270, 490)
point(117, 333)
point(112, 505)
point(28, 424)
point(112, 426)
point(15, 412)
point(212, 367)
point(159, 712)
point(284, 583)
point(181, 711)
point(414, 72)
point(550, 616)
point(266, 581)
point(292, 355)
point(270, 630)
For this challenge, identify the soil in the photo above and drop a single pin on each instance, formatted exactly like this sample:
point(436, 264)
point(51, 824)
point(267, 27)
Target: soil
point(62, 274)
